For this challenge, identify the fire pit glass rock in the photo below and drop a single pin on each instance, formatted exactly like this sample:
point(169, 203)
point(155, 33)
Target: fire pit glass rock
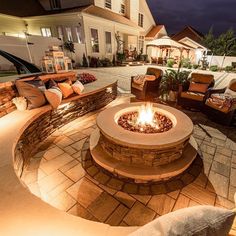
point(146, 120)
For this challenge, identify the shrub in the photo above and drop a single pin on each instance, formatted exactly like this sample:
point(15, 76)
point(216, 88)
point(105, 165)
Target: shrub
point(186, 63)
point(170, 63)
point(195, 66)
point(120, 57)
point(229, 68)
point(85, 61)
point(214, 68)
point(86, 78)
point(93, 61)
point(106, 62)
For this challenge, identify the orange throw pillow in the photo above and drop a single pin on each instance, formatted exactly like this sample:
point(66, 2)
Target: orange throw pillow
point(66, 89)
point(197, 87)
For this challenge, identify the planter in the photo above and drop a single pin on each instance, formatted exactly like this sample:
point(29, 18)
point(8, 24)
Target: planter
point(173, 96)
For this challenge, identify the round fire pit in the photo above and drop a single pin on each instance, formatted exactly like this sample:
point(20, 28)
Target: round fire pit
point(152, 147)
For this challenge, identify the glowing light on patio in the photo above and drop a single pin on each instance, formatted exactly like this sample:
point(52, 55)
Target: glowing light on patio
point(146, 115)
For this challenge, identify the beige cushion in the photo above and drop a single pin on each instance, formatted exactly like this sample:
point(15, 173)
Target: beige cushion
point(192, 221)
point(66, 89)
point(32, 92)
point(193, 96)
point(78, 87)
point(54, 96)
point(202, 78)
point(230, 93)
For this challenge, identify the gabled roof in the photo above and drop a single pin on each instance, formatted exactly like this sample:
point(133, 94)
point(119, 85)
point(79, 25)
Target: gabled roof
point(21, 8)
point(189, 32)
point(109, 15)
point(154, 31)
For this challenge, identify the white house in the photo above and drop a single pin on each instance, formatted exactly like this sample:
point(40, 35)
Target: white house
point(95, 26)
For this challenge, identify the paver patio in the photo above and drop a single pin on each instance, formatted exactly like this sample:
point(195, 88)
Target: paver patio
point(63, 183)
point(56, 174)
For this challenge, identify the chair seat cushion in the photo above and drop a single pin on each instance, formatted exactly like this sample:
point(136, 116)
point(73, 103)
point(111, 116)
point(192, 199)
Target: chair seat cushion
point(137, 86)
point(221, 102)
point(193, 96)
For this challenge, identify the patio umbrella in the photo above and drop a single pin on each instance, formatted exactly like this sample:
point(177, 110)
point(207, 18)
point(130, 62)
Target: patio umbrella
point(166, 41)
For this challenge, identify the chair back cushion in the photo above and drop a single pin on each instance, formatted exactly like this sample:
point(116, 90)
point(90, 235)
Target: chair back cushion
point(154, 71)
point(232, 85)
point(202, 78)
point(198, 87)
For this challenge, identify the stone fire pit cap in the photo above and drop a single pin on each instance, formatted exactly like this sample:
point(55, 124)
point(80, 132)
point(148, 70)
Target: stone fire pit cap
point(181, 130)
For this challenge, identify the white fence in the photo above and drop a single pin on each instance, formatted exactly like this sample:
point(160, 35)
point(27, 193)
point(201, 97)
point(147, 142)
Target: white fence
point(35, 50)
point(218, 60)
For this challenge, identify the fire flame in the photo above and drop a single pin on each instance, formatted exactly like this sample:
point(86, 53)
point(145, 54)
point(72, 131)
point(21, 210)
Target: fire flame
point(146, 115)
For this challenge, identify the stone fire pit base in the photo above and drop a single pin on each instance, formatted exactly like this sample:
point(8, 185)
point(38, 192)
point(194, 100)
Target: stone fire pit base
point(142, 174)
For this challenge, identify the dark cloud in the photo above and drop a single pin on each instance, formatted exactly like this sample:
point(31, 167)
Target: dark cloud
point(201, 14)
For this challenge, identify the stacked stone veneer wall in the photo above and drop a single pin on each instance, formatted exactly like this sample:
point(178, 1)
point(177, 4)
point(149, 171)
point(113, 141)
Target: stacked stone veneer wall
point(142, 157)
point(51, 120)
point(7, 93)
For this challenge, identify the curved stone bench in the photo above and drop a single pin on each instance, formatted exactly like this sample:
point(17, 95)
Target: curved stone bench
point(22, 213)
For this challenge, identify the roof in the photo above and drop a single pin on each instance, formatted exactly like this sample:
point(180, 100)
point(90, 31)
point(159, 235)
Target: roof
point(21, 8)
point(109, 15)
point(189, 32)
point(154, 31)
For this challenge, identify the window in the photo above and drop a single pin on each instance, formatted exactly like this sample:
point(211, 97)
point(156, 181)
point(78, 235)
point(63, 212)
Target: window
point(46, 32)
point(55, 4)
point(140, 19)
point(69, 34)
point(122, 8)
point(60, 32)
point(108, 42)
point(78, 31)
point(141, 44)
point(108, 4)
point(94, 40)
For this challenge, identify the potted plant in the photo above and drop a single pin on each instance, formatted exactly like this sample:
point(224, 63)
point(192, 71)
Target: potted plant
point(171, 81)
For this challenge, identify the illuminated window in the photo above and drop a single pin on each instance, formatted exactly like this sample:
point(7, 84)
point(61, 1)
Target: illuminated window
point(46, 32)
point(60, 32)
point(94, 40)
point(108, 42)
point(69, 34)
point(78, 31)
point(140, 19)
point(108, 4)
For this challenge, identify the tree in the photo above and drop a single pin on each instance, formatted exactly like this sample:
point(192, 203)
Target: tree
point(223, 45)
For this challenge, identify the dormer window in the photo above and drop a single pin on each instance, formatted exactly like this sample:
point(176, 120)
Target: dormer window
point(108, 4)
point(122, 9)
point(55, 4)
point(140, 19)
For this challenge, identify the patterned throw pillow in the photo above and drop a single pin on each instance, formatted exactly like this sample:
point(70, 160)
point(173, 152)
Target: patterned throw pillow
point(54, 96)
point(78, 87)
point(33, 91)
point(66, 88)
point(192, 221)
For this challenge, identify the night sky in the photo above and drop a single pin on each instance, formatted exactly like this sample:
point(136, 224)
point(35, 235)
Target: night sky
point(200, 14)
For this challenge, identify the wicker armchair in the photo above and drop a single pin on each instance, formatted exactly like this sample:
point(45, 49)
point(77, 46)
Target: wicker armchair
point(221, 114)
point(150, 89)
point(194, 99)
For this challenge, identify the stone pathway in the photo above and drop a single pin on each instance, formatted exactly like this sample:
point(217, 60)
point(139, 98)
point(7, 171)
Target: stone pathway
point(56, 175)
